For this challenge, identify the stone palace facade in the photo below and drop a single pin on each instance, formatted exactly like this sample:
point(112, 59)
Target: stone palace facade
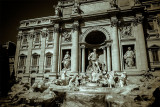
point(123, 33)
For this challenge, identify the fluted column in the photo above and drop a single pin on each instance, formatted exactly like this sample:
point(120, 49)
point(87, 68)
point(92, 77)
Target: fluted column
point(115, 46)
point(83, 58)
point(141, 43)
point(75, 48)
point(105, 57)
point(56, 48)
point(109, 57)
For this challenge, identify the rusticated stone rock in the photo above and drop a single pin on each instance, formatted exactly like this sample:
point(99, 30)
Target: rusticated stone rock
point(81, 99)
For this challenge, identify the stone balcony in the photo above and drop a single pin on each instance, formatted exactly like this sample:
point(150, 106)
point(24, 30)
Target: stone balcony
point(21, 69)
point(48, 69)
point(34, 69)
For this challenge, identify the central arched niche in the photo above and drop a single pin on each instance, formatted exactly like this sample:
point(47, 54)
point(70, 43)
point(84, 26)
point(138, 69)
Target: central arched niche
point(95, 37)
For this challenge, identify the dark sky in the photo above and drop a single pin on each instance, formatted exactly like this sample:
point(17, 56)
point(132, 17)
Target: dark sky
point(13, 11)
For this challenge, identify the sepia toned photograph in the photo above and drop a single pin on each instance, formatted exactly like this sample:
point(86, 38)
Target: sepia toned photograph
point(79, 53)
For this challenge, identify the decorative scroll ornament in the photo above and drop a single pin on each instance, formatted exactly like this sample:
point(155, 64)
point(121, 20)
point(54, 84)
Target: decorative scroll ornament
point(67, 36)
point(126, 32)
point(137, 20)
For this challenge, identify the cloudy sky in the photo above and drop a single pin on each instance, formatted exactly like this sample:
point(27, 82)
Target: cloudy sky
point(13, 11)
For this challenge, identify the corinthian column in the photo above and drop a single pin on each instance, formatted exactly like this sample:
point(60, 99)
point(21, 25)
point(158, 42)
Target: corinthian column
point(115, 46)
point(141, 43)
point(109, 58)
point(105, 57)
point(83, 58)
point(75, 48)
point(56, 48)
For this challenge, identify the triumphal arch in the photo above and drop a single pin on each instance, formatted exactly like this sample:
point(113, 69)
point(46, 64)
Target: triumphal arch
point(82, 36)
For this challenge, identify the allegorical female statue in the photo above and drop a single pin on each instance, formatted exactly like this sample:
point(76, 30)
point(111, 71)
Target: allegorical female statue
point(67, 61)
point(129, 57)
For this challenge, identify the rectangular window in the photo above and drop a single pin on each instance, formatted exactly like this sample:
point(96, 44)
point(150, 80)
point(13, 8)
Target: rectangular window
point(155, 55)
point(34, 60)
point(22, 61)
point(37, 39)
point(48, 61)
point(50, 38)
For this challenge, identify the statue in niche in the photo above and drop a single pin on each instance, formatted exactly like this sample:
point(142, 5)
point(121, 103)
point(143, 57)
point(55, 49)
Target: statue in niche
point(129, 57)
point(126, 32)
point(67, 61)
point(93, 61)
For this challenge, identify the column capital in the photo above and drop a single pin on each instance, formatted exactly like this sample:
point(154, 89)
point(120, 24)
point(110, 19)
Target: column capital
point(75, 26)
point(108, 45)
point(137, 20)
point(44, 33)
point(82, 46)
point(56, 28)
point(19, 37)
point(115, 22)
point(104, 47)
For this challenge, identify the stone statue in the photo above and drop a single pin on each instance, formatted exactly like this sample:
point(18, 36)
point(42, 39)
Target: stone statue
point(67, 61)
point(129, 57)
point(123, 79)
point(75, 9)
point(93, 60)
point(111, 81)
point(57, 11)
point(73, 83)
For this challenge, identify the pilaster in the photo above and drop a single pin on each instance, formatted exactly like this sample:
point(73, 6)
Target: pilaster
point(43, 45)
point(19, 38)
point(29, 55)
point(141, 44)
